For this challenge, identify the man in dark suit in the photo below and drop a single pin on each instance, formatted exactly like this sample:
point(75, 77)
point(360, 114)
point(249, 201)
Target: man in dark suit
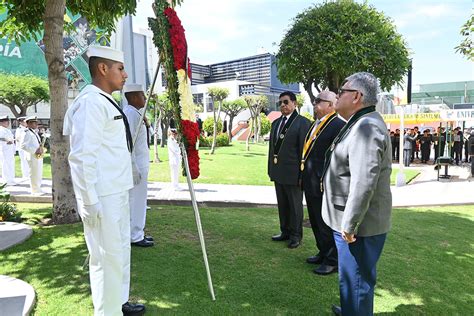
point(318, 139)
point(284, 158)
point(357, 201)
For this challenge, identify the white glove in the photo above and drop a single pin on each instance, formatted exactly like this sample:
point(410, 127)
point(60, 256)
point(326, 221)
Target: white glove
point(137, 177)
point(90, 214)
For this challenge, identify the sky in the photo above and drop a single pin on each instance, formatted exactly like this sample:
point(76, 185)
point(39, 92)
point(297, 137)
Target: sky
point(221, 30)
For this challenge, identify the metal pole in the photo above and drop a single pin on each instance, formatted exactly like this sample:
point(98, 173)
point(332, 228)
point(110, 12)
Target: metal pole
point(146, 104)
point(198, 220)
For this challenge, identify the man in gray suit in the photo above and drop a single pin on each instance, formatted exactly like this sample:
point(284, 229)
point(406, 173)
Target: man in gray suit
point(287, 138)
point(357, 201)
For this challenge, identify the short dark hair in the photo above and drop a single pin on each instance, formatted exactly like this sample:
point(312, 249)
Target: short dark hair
point(95, 61)
point(290, 94)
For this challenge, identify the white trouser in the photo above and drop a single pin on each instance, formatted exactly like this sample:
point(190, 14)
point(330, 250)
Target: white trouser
point(109, 248)
point(138, 199)
point(36, 173)
point(25, 168)
point(8, 163)
point(174, 169)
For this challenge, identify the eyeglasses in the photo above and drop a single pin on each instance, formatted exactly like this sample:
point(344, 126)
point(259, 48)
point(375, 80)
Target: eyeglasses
point(317, 100)
point(285, 102)
point(342, 90)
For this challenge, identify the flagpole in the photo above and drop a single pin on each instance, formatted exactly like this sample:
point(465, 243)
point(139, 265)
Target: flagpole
point(198, 220)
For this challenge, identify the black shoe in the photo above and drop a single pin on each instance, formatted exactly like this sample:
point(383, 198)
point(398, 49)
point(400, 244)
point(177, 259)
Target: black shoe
point(149, 238)
point(143, 243)
point(315, 259)
point(325, 269)
point(293, 244)
point(133, 309)
point(336, 309)
point(280, 237)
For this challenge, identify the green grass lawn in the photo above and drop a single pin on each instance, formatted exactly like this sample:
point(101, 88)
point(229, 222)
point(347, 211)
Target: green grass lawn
point(426, 267)
point(229, 165)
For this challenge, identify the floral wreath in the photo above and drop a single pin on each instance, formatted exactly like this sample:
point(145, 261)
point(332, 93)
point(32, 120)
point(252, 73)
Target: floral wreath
point(168, 36)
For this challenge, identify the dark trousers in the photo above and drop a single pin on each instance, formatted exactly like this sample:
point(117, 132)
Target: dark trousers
point(322, 233)
point(290, 210)
point(425, 153)
point(396, 151)
point(457, 152)
point(358, 272)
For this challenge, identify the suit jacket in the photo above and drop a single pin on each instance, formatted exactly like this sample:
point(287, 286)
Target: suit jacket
point(357, 197)
point(408, 141)
point(313, 169)
point(287, 170)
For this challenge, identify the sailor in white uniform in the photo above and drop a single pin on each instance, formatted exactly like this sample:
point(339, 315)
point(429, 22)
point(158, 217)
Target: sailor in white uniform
point(174, 156)
point(7, 152)
point(101, 173)
point(19, 133)
point(31, 144)
point(135, 96)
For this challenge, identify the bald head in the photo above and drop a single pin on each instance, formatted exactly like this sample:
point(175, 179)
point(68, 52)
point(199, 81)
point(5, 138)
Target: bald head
point(324, 104)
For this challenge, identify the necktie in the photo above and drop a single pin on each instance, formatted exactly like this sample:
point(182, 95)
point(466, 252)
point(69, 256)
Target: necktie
point(282, 125)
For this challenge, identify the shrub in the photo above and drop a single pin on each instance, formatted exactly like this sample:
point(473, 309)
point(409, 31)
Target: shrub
point(221, 140)
point(208, 125)
point(8, 211)
point(308, 116)
point(265, 124)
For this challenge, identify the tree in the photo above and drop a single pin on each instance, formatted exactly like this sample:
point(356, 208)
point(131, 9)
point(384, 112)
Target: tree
point(299, 102)
point(466, 47)
point(266, 124)
point(255, 104)
point(19, 92)
point(232, 109)
point(218, 95)
point(330, 41)
point(164, 115)
point(25, 22)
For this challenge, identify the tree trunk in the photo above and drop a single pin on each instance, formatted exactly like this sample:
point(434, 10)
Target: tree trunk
point(229, 128)
point(155, 138)
point(64, 203)
point(247, 141)
point(214, 132)
point(259, 127)
point(308, 86)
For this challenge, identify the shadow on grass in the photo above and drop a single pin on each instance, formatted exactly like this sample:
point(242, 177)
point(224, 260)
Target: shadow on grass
point(51, 261)
point(426, 264)
point(425, 269)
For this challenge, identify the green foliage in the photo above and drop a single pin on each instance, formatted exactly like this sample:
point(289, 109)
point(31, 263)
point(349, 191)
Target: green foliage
point(234, 107)
point(266, 126)
point(330, 41)
point(466, 47)
point(308, 116)
point(300, 101)
point(19, 92)
point(26, 22)
point(208, 125)
point(222, 140)
point(218, 94)
point(8, 211)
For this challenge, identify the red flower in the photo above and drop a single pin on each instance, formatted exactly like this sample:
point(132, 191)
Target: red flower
point(177, 39)
point(191, 133)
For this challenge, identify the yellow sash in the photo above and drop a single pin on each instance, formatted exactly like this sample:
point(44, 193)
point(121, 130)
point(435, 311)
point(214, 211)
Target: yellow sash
point(311, 139)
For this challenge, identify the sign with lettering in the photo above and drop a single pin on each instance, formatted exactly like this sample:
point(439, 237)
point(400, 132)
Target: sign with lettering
point(412, 118)
point(457, 115)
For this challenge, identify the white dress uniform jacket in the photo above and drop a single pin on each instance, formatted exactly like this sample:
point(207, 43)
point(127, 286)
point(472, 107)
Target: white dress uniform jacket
point(174, 156)
point(141, 158)
point(101, 173)
point(30, 143)
point(7, 156)
point(25, 169)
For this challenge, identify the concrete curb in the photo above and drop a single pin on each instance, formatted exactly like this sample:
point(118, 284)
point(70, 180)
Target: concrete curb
point(16, 296)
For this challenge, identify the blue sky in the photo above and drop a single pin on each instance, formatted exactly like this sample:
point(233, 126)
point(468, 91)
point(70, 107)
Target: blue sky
point(220, 30)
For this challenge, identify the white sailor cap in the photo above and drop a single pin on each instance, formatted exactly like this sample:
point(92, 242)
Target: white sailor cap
point(32, 118)
point(4, 118)
point(133, 88)
point(21, 118)
point(105, 52)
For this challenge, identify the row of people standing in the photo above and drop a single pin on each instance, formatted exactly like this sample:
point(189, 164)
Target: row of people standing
point(344, 170)
point(29, 145)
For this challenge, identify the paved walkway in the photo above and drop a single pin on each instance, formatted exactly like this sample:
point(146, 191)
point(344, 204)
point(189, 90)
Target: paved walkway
point(424, 190)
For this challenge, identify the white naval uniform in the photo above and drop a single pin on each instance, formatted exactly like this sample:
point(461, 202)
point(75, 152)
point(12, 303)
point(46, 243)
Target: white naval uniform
point(141, 158)
point(25, 169)
point(7, 156)
point(30, 142)
point(101, 173)
point(174, 156)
